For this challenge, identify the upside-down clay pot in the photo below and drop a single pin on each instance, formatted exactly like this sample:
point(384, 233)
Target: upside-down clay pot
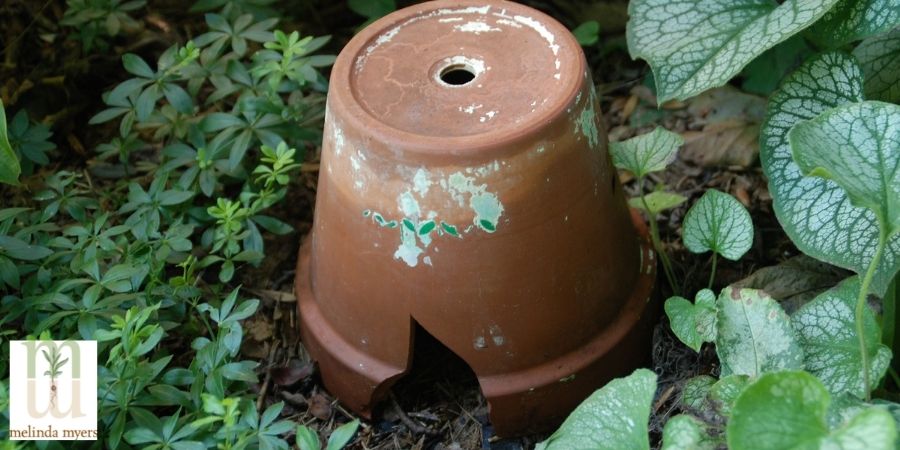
point(465, 186)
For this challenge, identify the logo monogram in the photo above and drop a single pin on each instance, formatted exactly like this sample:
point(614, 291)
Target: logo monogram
point(53, 390)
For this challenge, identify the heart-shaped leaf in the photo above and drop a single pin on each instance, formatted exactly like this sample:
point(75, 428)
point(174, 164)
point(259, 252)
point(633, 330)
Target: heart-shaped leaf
point(852, 20)
point(684, 432)
point(720, 223)
point(649, 152)
point(693, 323)
point(695, 45)
point(827, 333)
point(9, 163)
point(657, 201)
point(787, 410)
point(754, 334)
point(816, 213)
point(879, 58)
point(614, 417)
point(858, 147)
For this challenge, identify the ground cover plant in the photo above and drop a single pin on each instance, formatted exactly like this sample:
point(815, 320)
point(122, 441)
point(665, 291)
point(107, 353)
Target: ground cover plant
point(157, 171)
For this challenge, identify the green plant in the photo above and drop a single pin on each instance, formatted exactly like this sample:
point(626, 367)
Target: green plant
point(202, 144)
point(642, 155)
point(307, 439)
point(95, 21)
point(804, 380)
point(9, 163)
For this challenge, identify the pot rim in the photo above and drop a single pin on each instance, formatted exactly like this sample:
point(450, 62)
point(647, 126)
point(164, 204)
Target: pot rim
point(342, 93)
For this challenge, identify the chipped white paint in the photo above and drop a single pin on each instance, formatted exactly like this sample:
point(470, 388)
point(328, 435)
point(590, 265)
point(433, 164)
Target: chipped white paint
point(450, 19)
point(422, 182)
point(480, 343)
point(337, 135)
point(408, 205)
point(476, 27)
point(509, 23)
point(427, 261)
point(471, 108)
point(487, 116)
point(496, 335)
point(386, 37)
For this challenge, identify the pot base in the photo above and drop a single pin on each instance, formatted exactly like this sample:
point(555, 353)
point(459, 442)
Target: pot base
point(521, 402)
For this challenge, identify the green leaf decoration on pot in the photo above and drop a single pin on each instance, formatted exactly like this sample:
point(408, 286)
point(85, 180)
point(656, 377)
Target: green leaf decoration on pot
point(858, 147)
point(852, 20)
point(9, 163)
point(657, 201)
point(693, 323)
point(649, 152)
point(684, 432)
point(816, 213)
point(718, 222)
point(613, 418)
point(787, 410)
point(879, 58)
point(695, 45)
point(754, 334)
point(827, 333)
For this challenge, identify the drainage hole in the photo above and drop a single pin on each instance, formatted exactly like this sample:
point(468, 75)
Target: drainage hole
point(457, 75)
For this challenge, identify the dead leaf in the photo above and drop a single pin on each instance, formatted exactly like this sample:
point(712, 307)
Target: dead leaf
point(794, 281)
point(291, 375)
point(630, 104)
point(730, 135)
point(278, 296)
point(319, 406)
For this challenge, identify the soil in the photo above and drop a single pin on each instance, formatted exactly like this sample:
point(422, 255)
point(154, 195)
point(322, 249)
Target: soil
point(437, 406)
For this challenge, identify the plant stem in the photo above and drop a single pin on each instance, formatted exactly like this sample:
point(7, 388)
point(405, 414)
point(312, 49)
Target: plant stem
point(861, 305)
point(657, 242)
point(712, 275)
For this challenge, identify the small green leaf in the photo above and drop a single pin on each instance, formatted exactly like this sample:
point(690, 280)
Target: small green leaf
point(695, 45)
point(754, 334)
point(588, 33)
point(787, 410)
point(684, 432)
point(852, 20)
point(9, 162)
point(693, 323)
point(879, 59)
point(827, 333)
point(695, 392)
point(307, 439)
point(657, 201)
point(649, 152)
point(858, 147)
point(135, 65)
point(613, 418)
point(342, 435)
point(720, 223)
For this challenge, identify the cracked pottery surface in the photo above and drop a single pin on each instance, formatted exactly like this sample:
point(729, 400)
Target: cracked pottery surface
point(466, 187)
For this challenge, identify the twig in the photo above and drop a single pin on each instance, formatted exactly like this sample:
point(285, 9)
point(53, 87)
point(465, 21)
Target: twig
point(413, 426)
point(264, 389)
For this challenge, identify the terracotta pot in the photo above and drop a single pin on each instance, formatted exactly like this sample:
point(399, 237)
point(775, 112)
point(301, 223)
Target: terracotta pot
point(465, 185)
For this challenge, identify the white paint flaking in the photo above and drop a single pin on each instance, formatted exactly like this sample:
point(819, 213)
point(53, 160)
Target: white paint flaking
point(476, 27)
